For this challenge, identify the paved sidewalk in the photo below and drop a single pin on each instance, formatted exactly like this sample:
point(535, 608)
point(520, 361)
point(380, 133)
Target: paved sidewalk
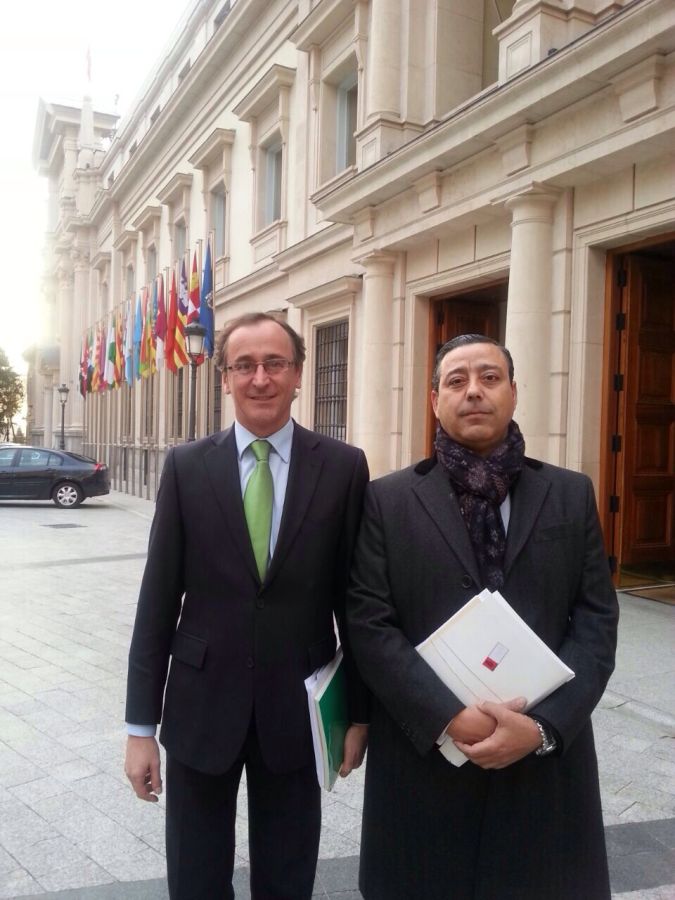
point(70, 827)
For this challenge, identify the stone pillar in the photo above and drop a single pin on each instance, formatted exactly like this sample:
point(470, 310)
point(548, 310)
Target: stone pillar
point(373, 424)
point(528, 312)
point(65, 299)
point(78, 322)
point(384, 63)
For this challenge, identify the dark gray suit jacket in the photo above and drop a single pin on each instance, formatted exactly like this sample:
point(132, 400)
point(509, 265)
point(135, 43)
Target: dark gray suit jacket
point(239, 647)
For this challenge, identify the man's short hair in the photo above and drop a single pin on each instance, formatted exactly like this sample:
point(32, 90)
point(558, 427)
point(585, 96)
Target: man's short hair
point(220, 354)
point(460, 341)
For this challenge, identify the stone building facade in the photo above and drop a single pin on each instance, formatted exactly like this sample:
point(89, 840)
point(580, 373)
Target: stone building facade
point(387, 173)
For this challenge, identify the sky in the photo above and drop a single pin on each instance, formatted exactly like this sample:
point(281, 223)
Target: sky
point(43, 53)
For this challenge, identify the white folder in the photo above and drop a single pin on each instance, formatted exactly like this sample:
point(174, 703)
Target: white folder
point(485, 651)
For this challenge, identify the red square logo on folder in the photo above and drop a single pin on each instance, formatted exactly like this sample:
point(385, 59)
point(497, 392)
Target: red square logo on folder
point(495, 656)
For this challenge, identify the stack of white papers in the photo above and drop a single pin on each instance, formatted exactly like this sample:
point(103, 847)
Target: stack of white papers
point(487, 652)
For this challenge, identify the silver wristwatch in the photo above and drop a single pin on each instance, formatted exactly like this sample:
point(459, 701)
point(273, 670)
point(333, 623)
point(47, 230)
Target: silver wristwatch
point(548, 742)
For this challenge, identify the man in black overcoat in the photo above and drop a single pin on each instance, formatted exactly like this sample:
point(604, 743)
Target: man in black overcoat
point(522, 818)
point(243, 616)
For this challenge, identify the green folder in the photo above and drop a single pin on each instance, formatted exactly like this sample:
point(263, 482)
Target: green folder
point(327, 694)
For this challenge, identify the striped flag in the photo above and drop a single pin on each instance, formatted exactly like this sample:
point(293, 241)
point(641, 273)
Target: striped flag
point(160, 323)
point(193, 295)
point(180, 353)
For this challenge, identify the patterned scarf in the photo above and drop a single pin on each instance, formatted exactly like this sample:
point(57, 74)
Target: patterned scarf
point(481, 484)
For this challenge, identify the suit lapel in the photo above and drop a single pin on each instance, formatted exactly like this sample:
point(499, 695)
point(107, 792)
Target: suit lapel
point(527, 498)
point(222, 467)
point(440, 503)
point(303, 475)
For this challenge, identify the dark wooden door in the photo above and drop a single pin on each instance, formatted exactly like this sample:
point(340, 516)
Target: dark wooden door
point(647, 464)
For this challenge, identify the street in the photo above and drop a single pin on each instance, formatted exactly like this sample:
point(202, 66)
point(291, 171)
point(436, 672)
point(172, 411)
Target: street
point(70, 826)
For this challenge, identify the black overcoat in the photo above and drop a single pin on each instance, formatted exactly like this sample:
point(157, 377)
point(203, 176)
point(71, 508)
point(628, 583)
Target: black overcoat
point(238, 647)
point(435, 832)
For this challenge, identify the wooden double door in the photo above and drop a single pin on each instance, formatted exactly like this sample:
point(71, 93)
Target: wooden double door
point(639, 438)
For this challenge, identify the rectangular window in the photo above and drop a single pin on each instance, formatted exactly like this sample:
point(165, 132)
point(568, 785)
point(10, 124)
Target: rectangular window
point(150, 263)
point(216, 420)
point(130, 282)
point(180, 241)
point(218, 220)
point(345, 126)
point(330, 380)
point(273, 160)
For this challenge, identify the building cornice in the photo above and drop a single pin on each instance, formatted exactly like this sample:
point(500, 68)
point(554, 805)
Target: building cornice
point(317, 244)
point(574, 73)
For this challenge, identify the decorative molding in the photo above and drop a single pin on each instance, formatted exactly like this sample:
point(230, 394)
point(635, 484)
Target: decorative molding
point(125, 240)
point(515, 149)
point(215, 150)
point(346, 286)
point(177, 188)
point(364, 224)
point(638, 88)
point(277, 80)
point(321, 22)
point(429, 191)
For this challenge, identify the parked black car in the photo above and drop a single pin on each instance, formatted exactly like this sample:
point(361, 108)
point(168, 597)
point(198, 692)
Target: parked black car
point(38, 473)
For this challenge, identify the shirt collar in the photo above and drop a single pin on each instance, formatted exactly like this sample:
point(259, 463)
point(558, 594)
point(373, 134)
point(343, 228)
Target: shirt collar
point(281, 440)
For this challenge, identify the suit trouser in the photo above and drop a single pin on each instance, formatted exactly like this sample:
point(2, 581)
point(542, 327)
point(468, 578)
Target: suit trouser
point(284, 824)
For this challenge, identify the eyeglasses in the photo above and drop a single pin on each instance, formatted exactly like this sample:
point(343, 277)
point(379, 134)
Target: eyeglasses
point(246, 368)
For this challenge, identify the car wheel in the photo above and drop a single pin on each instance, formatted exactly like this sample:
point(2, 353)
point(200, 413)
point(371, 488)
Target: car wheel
point(67, 495)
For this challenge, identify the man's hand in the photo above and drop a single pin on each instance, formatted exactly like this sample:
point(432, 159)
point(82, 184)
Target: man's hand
point(471, 725)
point(142, 767)
point(515, 736)
point(356, 741)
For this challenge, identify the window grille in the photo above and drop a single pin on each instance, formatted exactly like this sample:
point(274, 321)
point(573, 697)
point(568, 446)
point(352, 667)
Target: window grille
point(330, 384)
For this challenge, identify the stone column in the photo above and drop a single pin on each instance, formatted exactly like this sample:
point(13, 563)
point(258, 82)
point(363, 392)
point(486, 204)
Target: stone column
point(384, 63)
point(373, 423)
point(78, 322)
point(528, 312)
point(64, 306)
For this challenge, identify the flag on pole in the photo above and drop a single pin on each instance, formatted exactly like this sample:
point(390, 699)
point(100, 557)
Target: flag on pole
point(138, 336)
point(180, 353)
point(119, 349)
point(84, 366)
point(172, 315)
point(206, 304)
point(103, 355)
point(90, 360)
point(146, 364)
point(129, 345)
point(110, 354)
point(96, 370)
point(160, 323)
point(193, 296)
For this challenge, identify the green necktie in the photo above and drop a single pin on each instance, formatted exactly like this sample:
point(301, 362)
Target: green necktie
point(258, 499)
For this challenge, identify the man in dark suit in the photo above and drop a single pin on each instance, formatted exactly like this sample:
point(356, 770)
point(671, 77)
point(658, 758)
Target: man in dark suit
point(247, 564)
point(522, 818)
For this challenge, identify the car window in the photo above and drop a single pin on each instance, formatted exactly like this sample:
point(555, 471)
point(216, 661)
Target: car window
point(33, 458)
point(6, 456)
point(55, 460)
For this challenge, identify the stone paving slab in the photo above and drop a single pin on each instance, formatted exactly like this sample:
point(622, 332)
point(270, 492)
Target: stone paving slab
point(70, 827)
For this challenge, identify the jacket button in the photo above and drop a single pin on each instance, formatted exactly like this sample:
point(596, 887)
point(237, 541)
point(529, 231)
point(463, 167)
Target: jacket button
point(249, 662)
point(467, 581)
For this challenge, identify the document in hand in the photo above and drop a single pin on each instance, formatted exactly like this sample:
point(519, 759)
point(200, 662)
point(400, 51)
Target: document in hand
point(327, 694)
point(487, 652)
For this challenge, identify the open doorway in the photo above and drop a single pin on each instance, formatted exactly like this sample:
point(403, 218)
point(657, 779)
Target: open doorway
point(478, 311)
